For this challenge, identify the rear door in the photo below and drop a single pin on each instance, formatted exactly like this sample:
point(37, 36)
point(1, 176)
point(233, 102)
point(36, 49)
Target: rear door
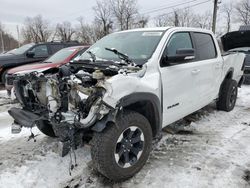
point(210, 66)
point(179, 80)
point(55, 48)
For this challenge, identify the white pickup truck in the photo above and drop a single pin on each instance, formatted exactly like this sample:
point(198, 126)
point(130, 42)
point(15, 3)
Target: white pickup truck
point(125, 89)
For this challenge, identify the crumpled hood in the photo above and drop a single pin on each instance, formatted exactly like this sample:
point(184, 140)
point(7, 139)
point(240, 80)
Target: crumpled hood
point(33, 67)
point(235, 39)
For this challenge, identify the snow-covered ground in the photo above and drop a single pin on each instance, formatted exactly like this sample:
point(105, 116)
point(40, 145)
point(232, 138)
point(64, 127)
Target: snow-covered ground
point(213, 151)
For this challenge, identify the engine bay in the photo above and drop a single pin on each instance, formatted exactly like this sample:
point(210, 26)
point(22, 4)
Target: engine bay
point(70, 100)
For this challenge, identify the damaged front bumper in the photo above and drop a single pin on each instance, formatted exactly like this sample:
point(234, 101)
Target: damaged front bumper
point(72, 103)
point(24, 117)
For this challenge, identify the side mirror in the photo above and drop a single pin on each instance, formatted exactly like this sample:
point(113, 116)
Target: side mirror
point(181, 55)
point(30, 54)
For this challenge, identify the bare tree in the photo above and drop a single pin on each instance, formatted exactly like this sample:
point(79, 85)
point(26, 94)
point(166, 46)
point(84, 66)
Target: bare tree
point(65, 31)
point(203, 21)
point(227, 10)
point(88, 34)
point(36, 29)
point(182, 17)
point(169, 19)
point(243, 11)
point(83, 32)
point(103, 16)
point(187, 18)
point(141, 21)
point(124, 11)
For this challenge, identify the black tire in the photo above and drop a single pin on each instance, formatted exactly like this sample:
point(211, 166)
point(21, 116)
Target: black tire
point(46, 128)
point(228, 95)
point(105, 145)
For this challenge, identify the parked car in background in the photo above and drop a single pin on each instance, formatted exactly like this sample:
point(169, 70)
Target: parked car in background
point(61, 57)
point(239, 41)
point(29, 53)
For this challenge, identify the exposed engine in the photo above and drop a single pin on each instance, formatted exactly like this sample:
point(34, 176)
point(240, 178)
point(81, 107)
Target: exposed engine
point(70, 100)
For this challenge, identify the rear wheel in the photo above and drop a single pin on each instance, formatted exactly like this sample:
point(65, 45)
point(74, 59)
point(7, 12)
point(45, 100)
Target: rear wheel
point(228, 95)
point(121, 150)
point(46, 128)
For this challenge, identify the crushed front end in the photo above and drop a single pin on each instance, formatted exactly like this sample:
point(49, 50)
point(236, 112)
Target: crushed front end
point(66, 104)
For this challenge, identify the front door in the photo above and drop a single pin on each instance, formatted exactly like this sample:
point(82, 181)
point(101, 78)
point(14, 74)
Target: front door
point(40, 54)
point(179, 81)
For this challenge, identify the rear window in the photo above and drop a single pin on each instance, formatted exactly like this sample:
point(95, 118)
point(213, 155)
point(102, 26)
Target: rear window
point(205, 48)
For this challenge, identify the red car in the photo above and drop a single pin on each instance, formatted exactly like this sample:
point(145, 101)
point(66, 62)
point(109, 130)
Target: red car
point(60, 58)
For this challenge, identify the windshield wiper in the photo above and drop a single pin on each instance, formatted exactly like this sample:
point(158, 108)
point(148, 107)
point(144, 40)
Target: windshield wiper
point(121, 55)
point(93, 56)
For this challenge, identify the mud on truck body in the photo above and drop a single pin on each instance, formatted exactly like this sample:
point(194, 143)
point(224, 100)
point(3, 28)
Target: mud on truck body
point(124, 89)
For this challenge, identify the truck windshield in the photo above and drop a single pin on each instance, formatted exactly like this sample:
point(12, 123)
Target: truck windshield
point(21, 49)
point(138, 45)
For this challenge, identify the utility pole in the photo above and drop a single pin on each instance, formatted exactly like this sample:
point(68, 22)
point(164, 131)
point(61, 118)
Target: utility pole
point(1, 33)
point(18, 35)
point(215, 15)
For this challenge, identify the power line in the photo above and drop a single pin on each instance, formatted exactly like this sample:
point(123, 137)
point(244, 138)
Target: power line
point(194, 5)
point(143, 13)
point(157, 7)
point(169, 7)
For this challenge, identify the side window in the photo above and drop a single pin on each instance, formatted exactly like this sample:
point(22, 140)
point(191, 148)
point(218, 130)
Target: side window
point(177, 41)
point(40, 51)
point(205, 47)
point(56, 47)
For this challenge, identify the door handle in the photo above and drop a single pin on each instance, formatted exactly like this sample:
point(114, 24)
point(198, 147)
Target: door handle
point(196, 71)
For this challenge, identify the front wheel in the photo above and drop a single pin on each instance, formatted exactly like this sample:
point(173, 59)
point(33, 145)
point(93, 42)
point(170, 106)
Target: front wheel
point(228, 95)
point(121, 150)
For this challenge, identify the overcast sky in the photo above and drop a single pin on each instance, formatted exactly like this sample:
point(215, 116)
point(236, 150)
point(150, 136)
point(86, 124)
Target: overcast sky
point(13, 12)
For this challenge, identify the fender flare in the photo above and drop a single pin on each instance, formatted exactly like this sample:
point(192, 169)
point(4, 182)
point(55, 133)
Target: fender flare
point(230, 70)
point(126, 101)
point(227, 75)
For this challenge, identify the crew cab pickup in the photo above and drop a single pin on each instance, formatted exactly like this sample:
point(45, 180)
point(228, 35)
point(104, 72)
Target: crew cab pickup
point(125, 89)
